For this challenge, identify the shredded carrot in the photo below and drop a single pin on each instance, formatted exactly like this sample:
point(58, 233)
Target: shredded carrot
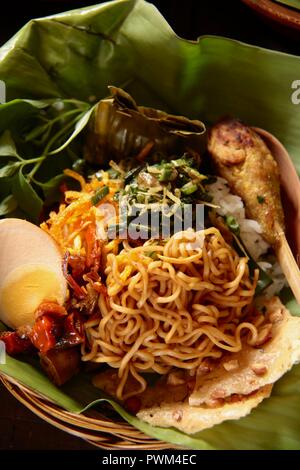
point(76, 176)
point(76, 224)
point(90, 237)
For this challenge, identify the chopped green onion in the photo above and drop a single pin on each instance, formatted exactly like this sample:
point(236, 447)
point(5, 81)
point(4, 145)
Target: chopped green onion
point(232, 224)
point(99, 195)
point(260, 199)
point(185, 160)
point(117, 195)
point(113, 173)
point(168, 173)
point(99, 175)
point(181, 162)
point(153, 169)
point(189, 188)
point(130, 189)
point(194, 174)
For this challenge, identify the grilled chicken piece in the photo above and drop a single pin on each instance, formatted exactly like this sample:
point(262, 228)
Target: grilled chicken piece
point(244, 160)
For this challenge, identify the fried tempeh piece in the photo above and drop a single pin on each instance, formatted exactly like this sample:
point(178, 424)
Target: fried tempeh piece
point(244, 160)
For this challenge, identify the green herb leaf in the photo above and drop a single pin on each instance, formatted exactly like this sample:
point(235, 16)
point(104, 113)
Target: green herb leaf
point(27, 198)
point(80, 125)
point(7, 146)
point(9, 169)
point(18, 111)
point(9, 204)
point(99, 195)
point(37, 132)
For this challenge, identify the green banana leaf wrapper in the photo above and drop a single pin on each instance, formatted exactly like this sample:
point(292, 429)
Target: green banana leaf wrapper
point(290, 3)
point(128, 44)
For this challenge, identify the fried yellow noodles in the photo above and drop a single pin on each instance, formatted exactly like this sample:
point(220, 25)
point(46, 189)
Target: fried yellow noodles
point(172, 304)
point(161, 305)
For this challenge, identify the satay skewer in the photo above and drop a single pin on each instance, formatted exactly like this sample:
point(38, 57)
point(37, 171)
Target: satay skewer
point(291, 183)
point(287, 262)
point(253, 162)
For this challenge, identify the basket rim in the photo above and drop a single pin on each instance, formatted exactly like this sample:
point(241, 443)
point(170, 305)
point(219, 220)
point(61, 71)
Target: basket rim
point(91, 426)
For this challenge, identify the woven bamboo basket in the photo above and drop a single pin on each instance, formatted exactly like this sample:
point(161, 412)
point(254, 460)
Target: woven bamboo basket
point(102, 429)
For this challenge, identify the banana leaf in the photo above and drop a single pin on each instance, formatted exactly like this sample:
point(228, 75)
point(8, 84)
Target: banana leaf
point(290, 3)
point(120, 129)
point(128, 44)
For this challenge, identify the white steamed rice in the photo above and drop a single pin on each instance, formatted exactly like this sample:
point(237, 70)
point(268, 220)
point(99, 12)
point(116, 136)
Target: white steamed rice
point(250, 232)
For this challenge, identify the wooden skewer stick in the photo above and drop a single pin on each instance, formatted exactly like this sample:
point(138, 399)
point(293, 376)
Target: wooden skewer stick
point(291, 185)
point(287, 262)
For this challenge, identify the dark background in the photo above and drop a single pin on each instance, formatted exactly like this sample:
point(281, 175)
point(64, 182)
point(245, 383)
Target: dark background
point(19, 428)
